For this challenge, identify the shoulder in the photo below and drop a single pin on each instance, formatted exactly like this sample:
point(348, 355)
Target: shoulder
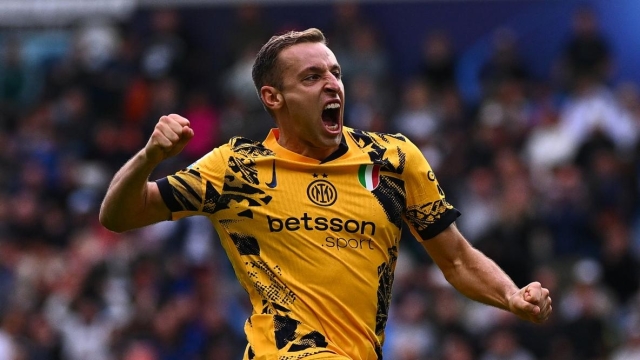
point(244, 147)
point(236, 149)
point(362, 137)
point(391, 151)
point(383, 143)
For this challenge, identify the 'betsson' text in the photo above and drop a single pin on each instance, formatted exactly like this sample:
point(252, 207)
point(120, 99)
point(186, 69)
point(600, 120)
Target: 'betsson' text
point(321, 224)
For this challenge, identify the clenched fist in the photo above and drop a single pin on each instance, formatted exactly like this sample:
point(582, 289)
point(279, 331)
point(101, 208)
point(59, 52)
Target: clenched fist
point(532, 303)
point(171, 134)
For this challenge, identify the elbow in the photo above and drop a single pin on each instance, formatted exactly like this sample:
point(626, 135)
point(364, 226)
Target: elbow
point(108, 223)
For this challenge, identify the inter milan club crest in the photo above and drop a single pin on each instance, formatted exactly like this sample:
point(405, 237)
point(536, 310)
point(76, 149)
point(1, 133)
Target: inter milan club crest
point(369, 176)
point(322, 192)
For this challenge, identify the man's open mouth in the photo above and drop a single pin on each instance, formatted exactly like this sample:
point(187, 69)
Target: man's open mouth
point(331, 116)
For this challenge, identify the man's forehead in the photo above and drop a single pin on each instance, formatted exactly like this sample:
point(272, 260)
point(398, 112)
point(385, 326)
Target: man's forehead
point(308, 54)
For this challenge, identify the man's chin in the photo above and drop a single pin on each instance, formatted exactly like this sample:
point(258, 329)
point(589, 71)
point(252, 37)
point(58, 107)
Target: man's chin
point(332, 139)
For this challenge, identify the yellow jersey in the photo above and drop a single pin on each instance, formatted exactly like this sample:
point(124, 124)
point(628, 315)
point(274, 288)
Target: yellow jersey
point(314, 243)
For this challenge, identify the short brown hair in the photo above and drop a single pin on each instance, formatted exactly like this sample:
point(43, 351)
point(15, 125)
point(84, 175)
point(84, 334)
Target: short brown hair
point(266, 70)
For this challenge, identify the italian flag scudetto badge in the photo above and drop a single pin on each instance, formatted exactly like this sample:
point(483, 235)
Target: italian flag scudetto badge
point(369, 176)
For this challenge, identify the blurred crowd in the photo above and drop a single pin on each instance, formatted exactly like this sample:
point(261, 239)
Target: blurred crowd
point(544, 170)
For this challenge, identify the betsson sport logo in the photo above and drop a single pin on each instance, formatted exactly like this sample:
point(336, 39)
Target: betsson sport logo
point(357, 237)
point(356, 234)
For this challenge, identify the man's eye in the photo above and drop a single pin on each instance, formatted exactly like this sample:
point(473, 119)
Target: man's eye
point(313, 77)
point(337, 74)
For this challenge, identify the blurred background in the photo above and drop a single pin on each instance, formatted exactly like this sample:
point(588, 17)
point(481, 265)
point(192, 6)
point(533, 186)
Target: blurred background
point(529, 112)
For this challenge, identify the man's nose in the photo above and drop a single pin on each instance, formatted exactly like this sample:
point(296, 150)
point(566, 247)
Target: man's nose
point(332, 84)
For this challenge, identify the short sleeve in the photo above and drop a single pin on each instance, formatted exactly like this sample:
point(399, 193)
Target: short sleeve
point(427, 211)
point(196, 189)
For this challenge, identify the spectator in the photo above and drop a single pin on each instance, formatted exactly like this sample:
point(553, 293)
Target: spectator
point(417, 116)
point(347, 17)
point(479, 203)
point(438, 63)
point(249, 26)
point(8, 346)
point(630, 347)
point(586, 307)
point(620, 266)
point(204, 119)
point(165, 53)
point(567, 216)
point(505, 63)
point(367, 111)
point(367, 57)
point(593, 117)
point(503, 345)
point(13, 85)
point(510, 240)
point(586, 58)
point(547, 146)
point(413, 337)
point(457, 348)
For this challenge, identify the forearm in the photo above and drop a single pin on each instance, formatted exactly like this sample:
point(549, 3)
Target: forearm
point(127, 195)
point(481, 279)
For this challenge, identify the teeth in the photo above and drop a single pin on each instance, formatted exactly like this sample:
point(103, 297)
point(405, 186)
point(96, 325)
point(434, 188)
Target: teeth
point(332, 106)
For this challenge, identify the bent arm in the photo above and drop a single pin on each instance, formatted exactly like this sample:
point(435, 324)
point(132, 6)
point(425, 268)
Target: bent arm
point(132, 201)
point(470, 271)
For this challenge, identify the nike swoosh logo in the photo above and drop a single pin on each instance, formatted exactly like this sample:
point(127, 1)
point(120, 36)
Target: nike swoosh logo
point(273, 182)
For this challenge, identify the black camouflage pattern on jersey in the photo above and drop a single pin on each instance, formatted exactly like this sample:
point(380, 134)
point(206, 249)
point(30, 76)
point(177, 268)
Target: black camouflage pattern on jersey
point(421, 217)
point(288, 337)
point(249, 148)
point(377, 151)
point(390, 193)
point(240, 182)
point(385, 284)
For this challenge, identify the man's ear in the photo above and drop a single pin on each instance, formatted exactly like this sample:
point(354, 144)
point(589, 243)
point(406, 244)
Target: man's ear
point(271, 97)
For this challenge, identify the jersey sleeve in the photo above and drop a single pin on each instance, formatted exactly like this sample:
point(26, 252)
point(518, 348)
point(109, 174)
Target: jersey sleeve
point(427, 211)
point(196, 189)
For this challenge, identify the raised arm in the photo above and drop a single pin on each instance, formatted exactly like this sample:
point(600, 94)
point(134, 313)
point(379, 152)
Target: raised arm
point(132, 201)
point(479, 278)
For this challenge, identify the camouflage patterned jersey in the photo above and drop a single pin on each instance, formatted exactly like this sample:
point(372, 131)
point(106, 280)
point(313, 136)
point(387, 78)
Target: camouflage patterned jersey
point(314, 243)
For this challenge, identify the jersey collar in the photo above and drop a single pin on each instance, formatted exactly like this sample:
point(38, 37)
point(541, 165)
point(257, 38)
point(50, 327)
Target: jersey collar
point(271, 142)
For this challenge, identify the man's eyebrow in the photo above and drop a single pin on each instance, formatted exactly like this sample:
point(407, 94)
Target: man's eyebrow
point(313, 68)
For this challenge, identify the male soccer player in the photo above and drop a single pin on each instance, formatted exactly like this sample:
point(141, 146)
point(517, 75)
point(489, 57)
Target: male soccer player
point(311, 216)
